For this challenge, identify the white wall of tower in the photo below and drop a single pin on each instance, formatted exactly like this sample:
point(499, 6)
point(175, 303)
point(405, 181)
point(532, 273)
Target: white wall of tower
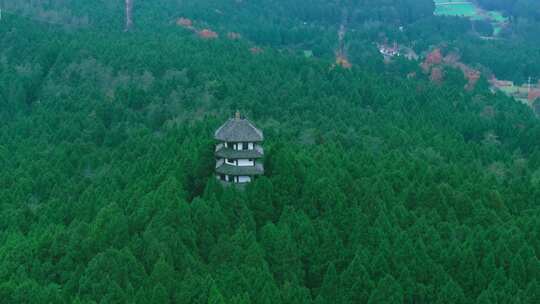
point(245, 163)
point(244, 179)
point(237, 162)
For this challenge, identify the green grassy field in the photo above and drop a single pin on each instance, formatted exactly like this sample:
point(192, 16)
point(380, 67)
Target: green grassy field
point(497, 16)
point(509, 90)
point(462, 9)
point(469, 10)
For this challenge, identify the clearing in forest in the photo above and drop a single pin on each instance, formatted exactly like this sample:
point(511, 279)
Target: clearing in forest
point(524, 93)
point(470, 10)
point(454, 8)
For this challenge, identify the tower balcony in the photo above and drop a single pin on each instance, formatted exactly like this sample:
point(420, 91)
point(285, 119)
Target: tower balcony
point(227, 169)
point(256, 153)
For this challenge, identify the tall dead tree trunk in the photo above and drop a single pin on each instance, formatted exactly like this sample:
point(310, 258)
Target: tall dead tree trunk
point(129, 15)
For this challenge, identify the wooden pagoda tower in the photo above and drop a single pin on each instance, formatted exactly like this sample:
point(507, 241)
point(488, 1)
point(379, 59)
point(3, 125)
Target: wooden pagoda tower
point(239, 151)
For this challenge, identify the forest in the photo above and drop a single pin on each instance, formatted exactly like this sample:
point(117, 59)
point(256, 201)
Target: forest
point(297, 25)
point(379, 188)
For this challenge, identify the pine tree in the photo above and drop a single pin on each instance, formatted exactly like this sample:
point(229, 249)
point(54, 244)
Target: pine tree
point(517, 271)
point(533, 269)
point(486, 298)
point(356, 285)
point(215, 296)
point(451, 293)
point(110, 227)
point(282, 254)
point(261, 201)
point(532, 293)
point(388, 291)
point(408, 285)
point(240, 299)
point(159, 295)
point(467, 271)
point(330, 285)
point(163, 274)
point(293, 294)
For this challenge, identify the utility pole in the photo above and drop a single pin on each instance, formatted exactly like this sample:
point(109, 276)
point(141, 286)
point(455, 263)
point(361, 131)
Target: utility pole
point(129, 15)
point(530, 97)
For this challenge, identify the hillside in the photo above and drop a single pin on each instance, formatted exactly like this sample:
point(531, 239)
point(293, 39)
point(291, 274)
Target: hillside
point(379, 188)
point(297, 26)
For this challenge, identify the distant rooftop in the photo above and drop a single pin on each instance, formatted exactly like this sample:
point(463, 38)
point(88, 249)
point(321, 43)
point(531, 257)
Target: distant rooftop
point(238, 129)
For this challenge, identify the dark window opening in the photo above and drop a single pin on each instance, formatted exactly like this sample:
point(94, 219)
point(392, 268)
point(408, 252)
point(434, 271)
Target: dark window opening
point(245, 146)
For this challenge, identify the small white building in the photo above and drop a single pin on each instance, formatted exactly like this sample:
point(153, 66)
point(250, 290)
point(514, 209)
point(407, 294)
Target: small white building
point(238, 152)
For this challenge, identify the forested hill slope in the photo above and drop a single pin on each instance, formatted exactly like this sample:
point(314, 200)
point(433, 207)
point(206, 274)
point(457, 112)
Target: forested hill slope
point(379, 189)
point(291, 23)
point(525, 9)
point(161, 12)
point(298, 25)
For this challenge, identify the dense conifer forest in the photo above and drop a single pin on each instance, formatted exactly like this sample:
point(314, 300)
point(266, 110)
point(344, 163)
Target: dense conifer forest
point(379, 188)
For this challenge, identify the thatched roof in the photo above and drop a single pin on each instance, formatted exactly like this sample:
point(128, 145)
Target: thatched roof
point(238, 130)
point(240, 171)
point(238, 154)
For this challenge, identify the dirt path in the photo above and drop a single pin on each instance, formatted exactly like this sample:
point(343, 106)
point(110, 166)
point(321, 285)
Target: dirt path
point(341, 55)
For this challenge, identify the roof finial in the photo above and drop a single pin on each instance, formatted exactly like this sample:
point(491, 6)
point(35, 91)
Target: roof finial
point(237, 116)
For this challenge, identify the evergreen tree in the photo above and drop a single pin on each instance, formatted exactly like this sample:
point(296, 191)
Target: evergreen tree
point(215, 296)
point(451, 293)
point(159, 295)
point(388, 291)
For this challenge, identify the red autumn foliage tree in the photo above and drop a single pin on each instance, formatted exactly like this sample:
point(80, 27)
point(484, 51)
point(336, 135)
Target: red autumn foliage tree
point(208, 34)
point(436, 75)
